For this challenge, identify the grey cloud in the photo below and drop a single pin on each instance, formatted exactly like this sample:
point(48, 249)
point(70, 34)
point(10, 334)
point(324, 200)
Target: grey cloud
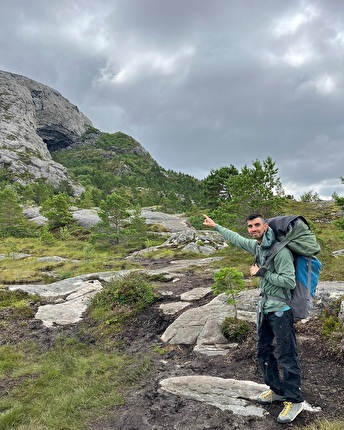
point(199, 84)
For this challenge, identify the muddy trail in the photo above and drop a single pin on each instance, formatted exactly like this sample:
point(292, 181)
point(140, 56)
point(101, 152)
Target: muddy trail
point(147, 407)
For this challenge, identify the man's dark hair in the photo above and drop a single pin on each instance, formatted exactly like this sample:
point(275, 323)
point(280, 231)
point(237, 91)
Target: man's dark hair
point(255, 215)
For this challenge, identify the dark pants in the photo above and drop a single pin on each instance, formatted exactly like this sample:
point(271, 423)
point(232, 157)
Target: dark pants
point(280, 326)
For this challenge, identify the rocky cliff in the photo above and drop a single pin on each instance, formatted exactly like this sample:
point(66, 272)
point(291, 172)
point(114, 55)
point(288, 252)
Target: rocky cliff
point(34, 119)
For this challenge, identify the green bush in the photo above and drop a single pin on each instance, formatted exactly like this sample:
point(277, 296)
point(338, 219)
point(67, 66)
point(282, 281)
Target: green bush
point(133, 291)
point(235, 330)
point(47, 237)
point(122, 298)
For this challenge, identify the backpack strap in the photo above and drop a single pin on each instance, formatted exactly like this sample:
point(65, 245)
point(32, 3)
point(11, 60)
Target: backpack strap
point(275, 249)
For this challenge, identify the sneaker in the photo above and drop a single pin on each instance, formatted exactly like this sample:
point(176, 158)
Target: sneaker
point(290, 412)
point(269, 397)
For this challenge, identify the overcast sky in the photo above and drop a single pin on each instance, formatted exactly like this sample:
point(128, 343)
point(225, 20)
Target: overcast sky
point(200, 84)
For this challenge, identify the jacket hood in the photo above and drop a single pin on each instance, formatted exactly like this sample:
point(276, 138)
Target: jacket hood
point(268, 239)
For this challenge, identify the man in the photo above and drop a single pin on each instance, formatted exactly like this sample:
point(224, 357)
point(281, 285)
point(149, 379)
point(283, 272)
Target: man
point(275, 320)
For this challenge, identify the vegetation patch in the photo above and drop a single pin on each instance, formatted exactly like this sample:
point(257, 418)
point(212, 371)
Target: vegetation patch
point(17, 303)
point(333, 327)
point(122, 298)
point(65, 387)
point(324, 425)
point(235, 330)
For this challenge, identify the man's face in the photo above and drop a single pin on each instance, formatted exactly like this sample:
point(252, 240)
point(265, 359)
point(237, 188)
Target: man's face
point(256, 227)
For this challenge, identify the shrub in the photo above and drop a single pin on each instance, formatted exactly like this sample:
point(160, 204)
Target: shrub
point(235, 330)
point(133, 290)
point(123, 298)
point(47, 237)
point(57, 210)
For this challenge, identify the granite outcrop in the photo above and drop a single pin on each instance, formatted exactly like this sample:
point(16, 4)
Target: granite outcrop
point(34, 120)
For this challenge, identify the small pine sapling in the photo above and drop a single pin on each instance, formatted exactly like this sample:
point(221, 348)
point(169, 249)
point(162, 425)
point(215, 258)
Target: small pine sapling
point(230, 281)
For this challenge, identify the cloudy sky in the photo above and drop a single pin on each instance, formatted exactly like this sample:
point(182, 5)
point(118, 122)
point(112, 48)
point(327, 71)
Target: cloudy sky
point(201, 84)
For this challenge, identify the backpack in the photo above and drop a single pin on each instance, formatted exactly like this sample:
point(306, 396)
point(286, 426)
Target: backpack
point(294, 232)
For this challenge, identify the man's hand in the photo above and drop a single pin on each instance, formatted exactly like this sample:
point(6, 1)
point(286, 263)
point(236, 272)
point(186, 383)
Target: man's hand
point(208, 222)
point(253, 270)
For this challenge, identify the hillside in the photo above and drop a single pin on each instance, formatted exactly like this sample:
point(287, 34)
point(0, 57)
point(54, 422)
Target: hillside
point(109, 162)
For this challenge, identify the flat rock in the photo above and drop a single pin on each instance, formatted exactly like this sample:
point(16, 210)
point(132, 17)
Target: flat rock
point(70, 311)
point(195, 294)
point(188, 327)
point(173, 308)
point(226, 394)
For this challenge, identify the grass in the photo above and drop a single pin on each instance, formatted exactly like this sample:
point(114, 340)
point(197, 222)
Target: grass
point(333, 327)
point(80, 258)
point(66, 387)
point(17, 304)
point(74, 382)
point(324, 425)
point(159, 254)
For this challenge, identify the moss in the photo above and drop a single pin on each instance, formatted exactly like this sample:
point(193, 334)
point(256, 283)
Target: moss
point(235, 330)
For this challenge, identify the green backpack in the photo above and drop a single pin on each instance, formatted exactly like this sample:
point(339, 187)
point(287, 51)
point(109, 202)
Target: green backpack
point(294, 232)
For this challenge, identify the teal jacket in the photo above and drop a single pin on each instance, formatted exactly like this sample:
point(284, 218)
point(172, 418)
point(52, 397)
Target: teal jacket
point(280, 275)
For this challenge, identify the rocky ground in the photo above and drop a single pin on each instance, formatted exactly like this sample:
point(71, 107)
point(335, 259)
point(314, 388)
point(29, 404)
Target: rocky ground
point(148, 407)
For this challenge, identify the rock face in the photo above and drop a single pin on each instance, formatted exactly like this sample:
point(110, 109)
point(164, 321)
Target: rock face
point(34, 119)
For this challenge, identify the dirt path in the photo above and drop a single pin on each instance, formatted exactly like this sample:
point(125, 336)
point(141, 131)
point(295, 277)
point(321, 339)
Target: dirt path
point(148, 407)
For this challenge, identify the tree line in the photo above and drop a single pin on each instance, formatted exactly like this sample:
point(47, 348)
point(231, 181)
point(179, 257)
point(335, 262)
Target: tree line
point(227, 194)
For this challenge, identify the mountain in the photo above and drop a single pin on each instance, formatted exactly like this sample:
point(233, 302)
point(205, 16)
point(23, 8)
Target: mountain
point(44, 136)
point(35, 119)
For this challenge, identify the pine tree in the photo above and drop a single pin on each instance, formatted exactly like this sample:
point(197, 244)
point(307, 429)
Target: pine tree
point(57, 210)
point(215, 188)
point(254, 189)
point(12, 220)
point(113, 211)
